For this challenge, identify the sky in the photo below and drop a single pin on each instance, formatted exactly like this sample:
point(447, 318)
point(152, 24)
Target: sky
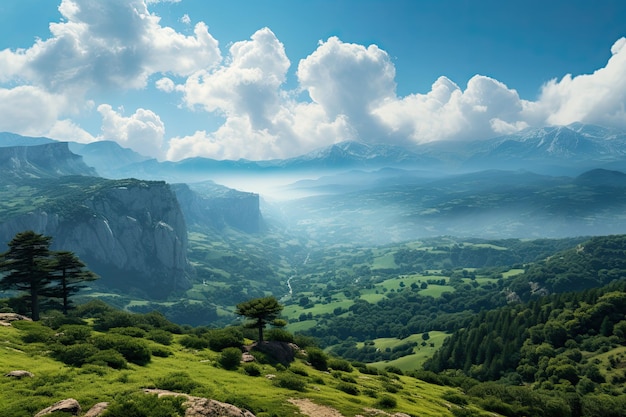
point(266, 79)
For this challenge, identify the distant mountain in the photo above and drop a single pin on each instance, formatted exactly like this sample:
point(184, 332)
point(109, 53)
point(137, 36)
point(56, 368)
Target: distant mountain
point(50, 160)
point(13, 139)
point(557, 149)
point(106, 156)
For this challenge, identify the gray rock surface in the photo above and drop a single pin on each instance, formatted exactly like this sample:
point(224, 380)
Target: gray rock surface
point(69, 405)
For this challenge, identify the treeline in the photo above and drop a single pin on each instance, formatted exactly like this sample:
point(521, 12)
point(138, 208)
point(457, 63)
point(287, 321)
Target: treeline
point(545, 342)
point(403, 313)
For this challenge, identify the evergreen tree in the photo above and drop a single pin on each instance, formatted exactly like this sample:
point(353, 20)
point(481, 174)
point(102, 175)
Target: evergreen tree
point(262, 310)
point(27, 267)
point(68, 275)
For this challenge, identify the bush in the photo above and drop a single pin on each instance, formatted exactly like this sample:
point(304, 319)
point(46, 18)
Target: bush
point(317, 358)
point(177, 382)
point(111, 358)
point(115, 318)
point(73, 333)
point(455, 398)
point(160, 352)
point(387, 401)
point(348, 388)
point(134, 350)
point(279, 335)
point(194, 342)
point(298, 370)
point(252, 369)
point(340, 365)
point(129, 331)
point(33, 332)
point(394, 370)
point(230, 358)
point(160, 336)
point(220, 339)
point(290, 381)
point(74, 355)
point(143, 405)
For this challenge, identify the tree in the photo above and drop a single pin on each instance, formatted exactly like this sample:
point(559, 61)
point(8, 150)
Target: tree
point(27, 266)
point(70, 273)
point(262, 310)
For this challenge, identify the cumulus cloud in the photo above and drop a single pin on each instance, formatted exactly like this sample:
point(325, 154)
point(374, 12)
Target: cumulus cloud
point(112, 44)
point(344, 91)
point(143, 131)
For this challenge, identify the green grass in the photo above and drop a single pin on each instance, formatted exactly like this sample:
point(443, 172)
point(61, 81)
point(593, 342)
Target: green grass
point(421, 353)
point(54, 381)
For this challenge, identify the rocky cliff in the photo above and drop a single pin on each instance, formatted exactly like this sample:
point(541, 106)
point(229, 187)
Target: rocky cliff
point(49, 160)
point(132, 233)
point(209, 204)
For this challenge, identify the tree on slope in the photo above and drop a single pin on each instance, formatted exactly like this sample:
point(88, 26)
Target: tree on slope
point(68, 275)
point(261, 310)
point(27, 267)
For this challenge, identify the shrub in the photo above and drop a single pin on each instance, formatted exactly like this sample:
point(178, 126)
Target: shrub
point(394, 370)
point(160, 336)
point(252, 369)
point(143, 405)
point(455, 398)
point(279, 335)
point(387, 401)
point(160, 351)
point(177, 382)
point(290, 381)
point(111, 358)
point(134, 350)
point(220, 339)
point(34, 332)
point(340, 365)
point(129, 331)
point(74, 355)
point(73, 333)
point(194, 342)
point(298, 370)
point(317, 358)
point(348, 388)
point(115, 318)
point(230, 358)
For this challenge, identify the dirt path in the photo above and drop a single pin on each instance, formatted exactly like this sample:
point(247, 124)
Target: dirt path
point(309, 408)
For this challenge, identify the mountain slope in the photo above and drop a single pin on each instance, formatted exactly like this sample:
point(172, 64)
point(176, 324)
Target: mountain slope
point(51, 160)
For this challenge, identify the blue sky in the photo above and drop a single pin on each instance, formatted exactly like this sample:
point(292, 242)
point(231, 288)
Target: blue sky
point(273, 79)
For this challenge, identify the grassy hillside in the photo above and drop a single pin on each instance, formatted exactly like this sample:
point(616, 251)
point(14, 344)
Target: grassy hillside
point(198, 371)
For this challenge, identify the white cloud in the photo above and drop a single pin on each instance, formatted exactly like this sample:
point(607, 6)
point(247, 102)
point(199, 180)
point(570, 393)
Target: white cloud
point(29, 110)
point(185, 19)
point(112, 44)
point(598, 98)
point(142, 132)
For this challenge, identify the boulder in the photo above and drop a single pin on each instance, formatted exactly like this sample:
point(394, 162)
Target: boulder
point(69, 405)
point(19, 374)
point(7, 318)
point(97, 410)
point(204, 407)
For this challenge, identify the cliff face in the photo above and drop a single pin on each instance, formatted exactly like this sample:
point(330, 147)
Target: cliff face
point(209, 204)
point(131, 233)
point(49, 160)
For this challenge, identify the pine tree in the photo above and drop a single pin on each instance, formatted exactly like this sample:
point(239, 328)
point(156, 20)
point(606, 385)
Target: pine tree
point(261, 310)
point(68, 275)
point(27, 265)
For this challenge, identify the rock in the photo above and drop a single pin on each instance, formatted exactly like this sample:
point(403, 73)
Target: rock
point(7, 318)
point(97, 410)
point(69, 405)
point(281, 352)
point(130, 232)
point(19, 374)
point(246, 357)
point(204, 407)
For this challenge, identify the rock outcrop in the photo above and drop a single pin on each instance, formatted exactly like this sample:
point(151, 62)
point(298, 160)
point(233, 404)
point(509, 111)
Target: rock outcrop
point(69, 405)
point(204, 407)
point(49, 160)
point(216, 206)
point(132, 233)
